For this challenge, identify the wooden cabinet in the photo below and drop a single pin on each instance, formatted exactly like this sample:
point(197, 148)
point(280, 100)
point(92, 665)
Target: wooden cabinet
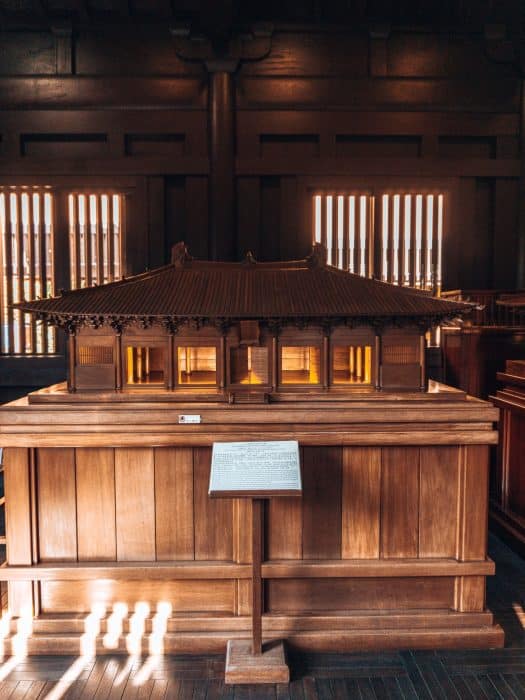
point(507, 506)
point(108, 509)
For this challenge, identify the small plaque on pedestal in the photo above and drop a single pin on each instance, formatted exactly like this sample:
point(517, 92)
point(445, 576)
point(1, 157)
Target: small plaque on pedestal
point(255, 469)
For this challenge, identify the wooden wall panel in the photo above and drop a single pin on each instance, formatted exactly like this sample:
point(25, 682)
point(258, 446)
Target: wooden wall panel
point(57, 532)
point(316, 595)
point(399, 502)
point(284, 528)
point(505, 234)
point(97, 53)
point(481, 254)
point(95, 492)
point(213, 516)
point(473, 499)
point(197, 216)
point(248, 215)
point(28, 53)
point(321, 474)
point(185, 596)
point(17, 505)
point(174, 503)
point(17, 491)
point(361, 492)
point(135, 510)
point(438, 504)
point(470, 593)
point(270, 226)
point(312, 53)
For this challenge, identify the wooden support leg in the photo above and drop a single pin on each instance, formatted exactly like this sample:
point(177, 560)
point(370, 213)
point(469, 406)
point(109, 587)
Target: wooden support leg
point(246, 662)
point(257, 511)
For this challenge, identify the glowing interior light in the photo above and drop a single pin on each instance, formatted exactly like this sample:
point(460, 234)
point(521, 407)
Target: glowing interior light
point(429, 226)
point(317, 219)
point(395, 238)
point(340, 230)
point(384, 239)
point(363, 228)
point(439, 244)
point(329, 227)
point(419, 237)
point(351, 233)
point(407, 236)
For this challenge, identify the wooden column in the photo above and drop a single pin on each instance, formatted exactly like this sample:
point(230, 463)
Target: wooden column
point(221, 135)
point(72, 351)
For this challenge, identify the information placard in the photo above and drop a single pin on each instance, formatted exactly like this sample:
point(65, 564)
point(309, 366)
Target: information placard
point(269, 468)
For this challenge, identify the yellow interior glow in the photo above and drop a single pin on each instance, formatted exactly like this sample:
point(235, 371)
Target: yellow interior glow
point(300, 364)
point(197, 365)
point(352, 364)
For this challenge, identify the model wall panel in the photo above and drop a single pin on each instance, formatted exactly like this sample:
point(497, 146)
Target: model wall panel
point(56, 504)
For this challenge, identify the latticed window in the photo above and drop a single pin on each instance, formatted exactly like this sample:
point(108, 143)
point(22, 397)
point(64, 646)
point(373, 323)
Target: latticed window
point(95, 238)
point(30, 235)
point(395, 237)
point(26, 230)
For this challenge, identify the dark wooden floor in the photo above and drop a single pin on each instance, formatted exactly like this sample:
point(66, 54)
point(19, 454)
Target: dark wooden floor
point(430, 674)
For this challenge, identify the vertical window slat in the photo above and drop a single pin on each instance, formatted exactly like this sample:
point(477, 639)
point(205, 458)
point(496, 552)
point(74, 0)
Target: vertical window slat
point(429, 231)
point(117, 228)
point(329, 223)
point(42, 259)
point(439, 257)
point(352, 225)
point(50, 263)
point(363, 234)
point(340, 231)
point(30, 291)
point(385, 213)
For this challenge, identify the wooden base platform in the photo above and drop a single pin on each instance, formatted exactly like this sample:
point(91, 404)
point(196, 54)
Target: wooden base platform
point(76, 634)
point(243, 667)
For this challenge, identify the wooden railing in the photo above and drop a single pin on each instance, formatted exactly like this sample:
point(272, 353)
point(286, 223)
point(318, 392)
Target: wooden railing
point(490, 312)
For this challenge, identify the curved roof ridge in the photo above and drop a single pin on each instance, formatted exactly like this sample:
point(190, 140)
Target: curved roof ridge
point(188, 288)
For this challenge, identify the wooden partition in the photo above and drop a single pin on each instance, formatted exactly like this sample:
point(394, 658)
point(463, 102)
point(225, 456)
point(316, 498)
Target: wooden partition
point(386, 549)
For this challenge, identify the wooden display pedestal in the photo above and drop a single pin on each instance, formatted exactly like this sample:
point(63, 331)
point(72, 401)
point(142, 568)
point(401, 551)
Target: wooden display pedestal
point(257, 471)
point(242, 666)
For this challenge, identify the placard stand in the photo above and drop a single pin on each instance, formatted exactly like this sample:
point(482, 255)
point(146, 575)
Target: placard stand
point(247, 472)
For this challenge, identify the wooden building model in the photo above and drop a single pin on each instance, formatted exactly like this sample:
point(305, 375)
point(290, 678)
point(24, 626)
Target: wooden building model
point(108, 512)
point(245, 331)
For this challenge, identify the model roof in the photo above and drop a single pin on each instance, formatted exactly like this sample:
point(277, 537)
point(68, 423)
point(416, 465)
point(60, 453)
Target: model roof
point(194, 289)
